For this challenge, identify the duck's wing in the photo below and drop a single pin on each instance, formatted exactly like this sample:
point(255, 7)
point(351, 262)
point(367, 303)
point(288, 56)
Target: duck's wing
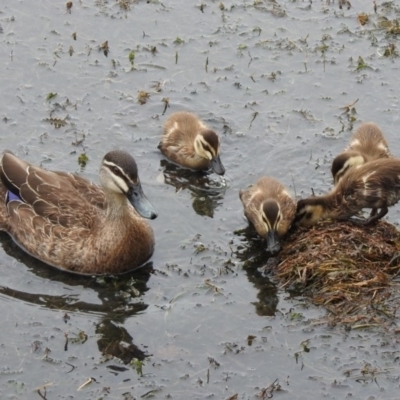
point(93, 193)
point(49, 195)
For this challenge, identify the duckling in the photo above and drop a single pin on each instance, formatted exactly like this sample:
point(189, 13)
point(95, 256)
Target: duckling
point(74, 225)
point(375, 185)
point(188, 142)
point(367, 144)
point(270, 208)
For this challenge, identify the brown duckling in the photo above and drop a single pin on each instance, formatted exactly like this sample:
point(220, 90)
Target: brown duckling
point(187, 141)
point(374, 185)
point(72, 224)
point(367, 144)
point(270, 208)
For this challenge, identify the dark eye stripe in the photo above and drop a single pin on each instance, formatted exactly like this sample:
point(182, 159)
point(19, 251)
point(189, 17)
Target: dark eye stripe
point(116, 171)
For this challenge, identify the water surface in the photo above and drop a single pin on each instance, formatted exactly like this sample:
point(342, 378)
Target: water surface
point(272, 79)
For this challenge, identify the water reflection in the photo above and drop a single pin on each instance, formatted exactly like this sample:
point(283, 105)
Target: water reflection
point(256, 264)
point(207, 190)
point(117, 342)
point(117, 294)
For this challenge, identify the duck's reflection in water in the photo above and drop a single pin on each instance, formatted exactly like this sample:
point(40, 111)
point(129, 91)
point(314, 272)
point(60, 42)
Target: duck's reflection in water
point(253, 253)
point(207, 189)
point(117, 294)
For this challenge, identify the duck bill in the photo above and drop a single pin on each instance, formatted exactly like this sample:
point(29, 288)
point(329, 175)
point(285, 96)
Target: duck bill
point(141, 203)
point(217, 166)
point(273, 245)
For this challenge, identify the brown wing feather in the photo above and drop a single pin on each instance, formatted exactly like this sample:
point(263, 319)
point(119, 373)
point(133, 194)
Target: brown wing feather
point(59, 207)
point(91, 192)
point(13, 171)
point(373, 185)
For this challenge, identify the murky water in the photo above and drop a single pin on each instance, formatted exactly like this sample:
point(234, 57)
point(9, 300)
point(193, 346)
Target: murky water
point(272, 78)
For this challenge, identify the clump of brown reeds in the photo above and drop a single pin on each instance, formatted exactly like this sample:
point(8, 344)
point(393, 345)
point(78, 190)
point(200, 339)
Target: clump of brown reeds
point(347, 268)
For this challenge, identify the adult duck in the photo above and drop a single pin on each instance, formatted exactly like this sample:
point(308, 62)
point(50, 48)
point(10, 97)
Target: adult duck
point(70, 223)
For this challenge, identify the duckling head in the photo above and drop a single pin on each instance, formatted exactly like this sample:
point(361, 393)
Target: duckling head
point(308, 212)
point(345, 161)
point(271, 217)
point(206, 145)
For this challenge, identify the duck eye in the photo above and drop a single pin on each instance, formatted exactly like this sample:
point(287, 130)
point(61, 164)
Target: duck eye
point(116, 171)
point(300, 215)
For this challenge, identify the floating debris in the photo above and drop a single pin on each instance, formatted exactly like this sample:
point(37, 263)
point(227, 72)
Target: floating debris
point(138, 364)
point(132, 57)
point(86, 383)
point(50, 96)
point(143, 96)
point(344, 3)
point(348, 108)
point(124, 4)
point(57, 122)
point(83, 160)
point(105, 48)
point(361, 64)
point(390, 51)
point(362, 18)
point(345, 267)
point(178, 40)
point(165, 100)
point(392, 27)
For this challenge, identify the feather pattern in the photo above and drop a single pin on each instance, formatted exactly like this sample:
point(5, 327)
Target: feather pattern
point(367, 144)
point(374, 185)
point(71, 223)
point(187, 141)
point(269, 207)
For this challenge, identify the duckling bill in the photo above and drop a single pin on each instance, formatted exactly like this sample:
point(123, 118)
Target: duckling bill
point(374, 185)
point(270, 208)
point(367, 144)
point(74, 225)
point(187, 141)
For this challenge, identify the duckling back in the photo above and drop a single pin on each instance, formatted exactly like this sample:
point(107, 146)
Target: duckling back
point(367, 144)
point(187, 141)
point(375, 185)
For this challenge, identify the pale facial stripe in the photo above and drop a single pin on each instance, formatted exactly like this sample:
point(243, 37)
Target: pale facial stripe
point(201, 146)
point(267, 222)
point(383, 146)
point(118, 180)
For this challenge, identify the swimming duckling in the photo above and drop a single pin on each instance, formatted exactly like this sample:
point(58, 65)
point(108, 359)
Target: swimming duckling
point(375, 185)
point(269, 207)
point(187, 141)
point(70, 223)
point(367, 144)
